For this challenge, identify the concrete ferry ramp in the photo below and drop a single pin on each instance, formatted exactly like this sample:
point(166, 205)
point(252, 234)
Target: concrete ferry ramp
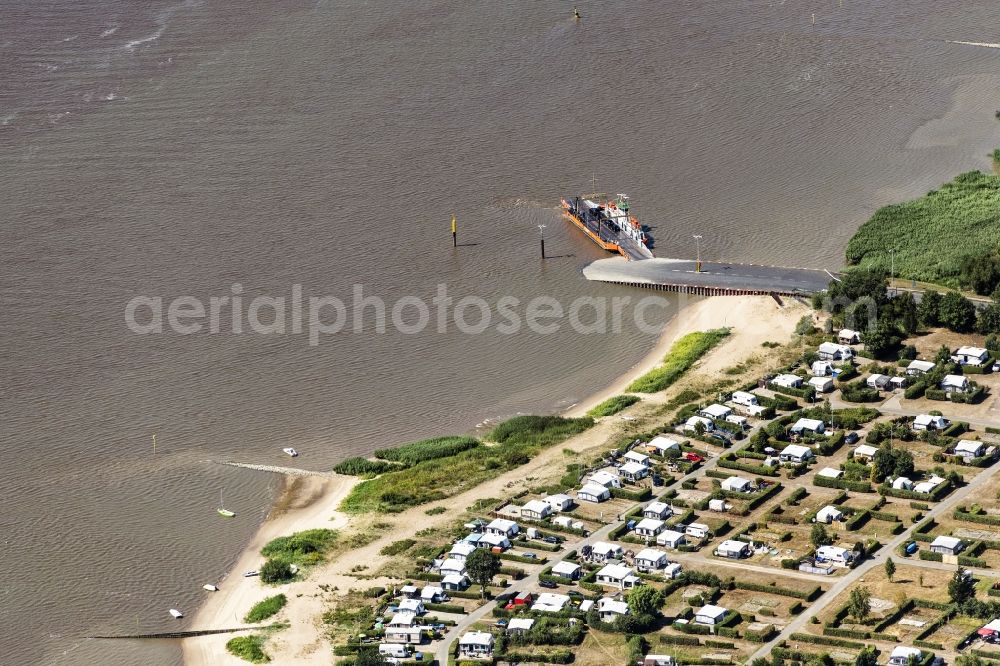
point(715, 278)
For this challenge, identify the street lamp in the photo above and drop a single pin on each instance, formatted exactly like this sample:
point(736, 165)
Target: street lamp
point(892, 268)
point(697, 263)
point(541, 234)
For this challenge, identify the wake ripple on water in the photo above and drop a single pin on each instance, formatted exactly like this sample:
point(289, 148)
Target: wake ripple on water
point(162, 19)
point(987, 45)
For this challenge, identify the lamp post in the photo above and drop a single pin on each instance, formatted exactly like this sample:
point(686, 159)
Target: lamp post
point(697, 263)
point(541, 235)
point(892, 268)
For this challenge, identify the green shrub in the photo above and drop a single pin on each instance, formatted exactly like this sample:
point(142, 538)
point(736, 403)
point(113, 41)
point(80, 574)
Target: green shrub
point(276, 570)
point(306, 547)
point(679, 359)
point(613, 405)
point(265, 609)
point(397, 547)
point(249, 648)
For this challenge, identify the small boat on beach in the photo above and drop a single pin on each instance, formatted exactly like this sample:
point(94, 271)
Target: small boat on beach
point(210, 587)
point(176, 613)
point(250, 574)
point(290, 451)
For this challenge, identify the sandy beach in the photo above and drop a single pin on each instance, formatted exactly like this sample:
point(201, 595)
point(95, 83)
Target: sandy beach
point(311, 502)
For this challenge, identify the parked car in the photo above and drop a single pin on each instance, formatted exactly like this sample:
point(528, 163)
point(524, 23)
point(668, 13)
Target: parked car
point(530, 556)
point(851, 438)
point(693, 457)
point(551, 539)
point(547, 583)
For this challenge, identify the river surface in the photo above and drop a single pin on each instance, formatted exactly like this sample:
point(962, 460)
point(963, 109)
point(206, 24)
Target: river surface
point(167, 148)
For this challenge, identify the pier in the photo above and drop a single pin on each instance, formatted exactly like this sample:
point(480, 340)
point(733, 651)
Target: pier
point(714, 278)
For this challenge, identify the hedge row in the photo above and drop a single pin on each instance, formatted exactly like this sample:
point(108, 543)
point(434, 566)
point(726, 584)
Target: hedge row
point(983, 518)
point(634, 495)
point(760, 470)
point(807, 391)
point(670, 639)
point(823, 640)
point(843, 484)
point(808, 595)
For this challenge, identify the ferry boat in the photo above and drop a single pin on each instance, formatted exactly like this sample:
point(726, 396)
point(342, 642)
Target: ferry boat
point(609, 223)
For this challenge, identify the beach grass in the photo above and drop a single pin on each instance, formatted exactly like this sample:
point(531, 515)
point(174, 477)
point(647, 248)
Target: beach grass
point(931, 235)
point(682, 355)
point(302, 548)
point(363, 467)
point(613, 405)
point(427, 449)
point(531, 430)
point(517, 441)
point(262, 610)
point(249, 648)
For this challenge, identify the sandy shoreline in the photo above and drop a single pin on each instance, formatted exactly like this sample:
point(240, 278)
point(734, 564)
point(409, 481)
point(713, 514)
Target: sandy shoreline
point(312, 502)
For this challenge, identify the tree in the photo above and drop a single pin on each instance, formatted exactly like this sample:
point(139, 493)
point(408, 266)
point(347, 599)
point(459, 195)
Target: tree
point(818, 535)
point(482, 566)
point(866, 657)
point(862, 313)
point(880, 338)
point(957, 312)
point(860, 603)
point(805, 325)
point(902, 463)
point(961, 587)
point(644, 600)
point(988, 320)
point(890, 569)
point(822, 660)
point(883, 463)
point(905, 309)
point(943, 355)
point(927, 310)
point(981, 271)
point(858, 282)
point(276, 570)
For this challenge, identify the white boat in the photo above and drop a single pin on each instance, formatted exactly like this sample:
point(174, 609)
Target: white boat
point(290, 451)
point(209, 587)
point(222, 510)
point(250, 574)
point(176, 613)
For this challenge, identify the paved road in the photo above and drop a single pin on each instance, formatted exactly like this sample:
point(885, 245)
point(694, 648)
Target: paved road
point(842, 584)
point(751, 277)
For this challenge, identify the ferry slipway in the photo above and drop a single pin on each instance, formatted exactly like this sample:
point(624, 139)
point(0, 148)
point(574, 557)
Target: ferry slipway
point(714, 278)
